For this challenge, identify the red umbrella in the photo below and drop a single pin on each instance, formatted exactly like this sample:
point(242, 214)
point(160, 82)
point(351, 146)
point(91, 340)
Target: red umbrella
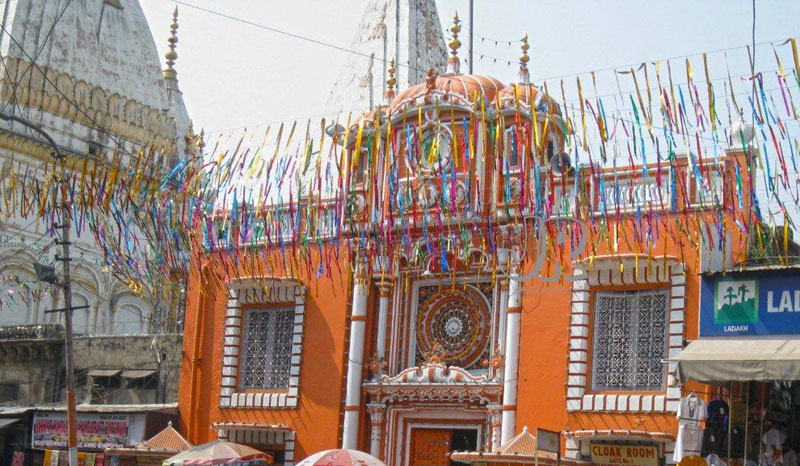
point(341, 457)
point(219, 452)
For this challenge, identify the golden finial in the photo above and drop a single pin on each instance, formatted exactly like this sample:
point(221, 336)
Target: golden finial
point(524, 59)
point(201, 140)
point(391, 81)
point(455, 29)
point(524, 75)
point(172, 55)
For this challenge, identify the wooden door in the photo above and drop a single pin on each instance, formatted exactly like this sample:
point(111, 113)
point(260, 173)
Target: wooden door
point(430, 447)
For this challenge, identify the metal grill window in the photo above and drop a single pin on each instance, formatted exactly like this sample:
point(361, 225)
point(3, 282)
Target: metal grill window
point(267, 348)
point(630, 340)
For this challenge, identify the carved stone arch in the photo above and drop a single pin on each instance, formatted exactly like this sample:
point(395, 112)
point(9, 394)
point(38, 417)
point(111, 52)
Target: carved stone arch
point(82, 93)
point(66, 85)
point(130, 111)
point(18, 258)
point(115, 105)
point(131, 314)
point(88, 277)
point(51, 77)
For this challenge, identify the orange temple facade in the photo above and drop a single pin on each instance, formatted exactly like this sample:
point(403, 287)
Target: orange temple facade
point(412, 356)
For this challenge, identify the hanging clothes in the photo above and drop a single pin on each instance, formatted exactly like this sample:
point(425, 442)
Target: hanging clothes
point(773, 443)
point(691, 412)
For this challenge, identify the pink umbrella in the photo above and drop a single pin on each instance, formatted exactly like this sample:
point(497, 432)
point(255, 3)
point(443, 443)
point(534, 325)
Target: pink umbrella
point(341, 457)
point(219, 452)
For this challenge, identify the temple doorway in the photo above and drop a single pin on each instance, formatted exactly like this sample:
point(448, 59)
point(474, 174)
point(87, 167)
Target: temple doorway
point(432, 447)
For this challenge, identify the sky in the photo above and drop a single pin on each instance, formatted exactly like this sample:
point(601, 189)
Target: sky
point(234, 74)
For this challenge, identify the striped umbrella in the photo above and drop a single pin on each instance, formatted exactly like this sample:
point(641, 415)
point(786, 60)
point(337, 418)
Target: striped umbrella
point(341, 457)
point(219, 452)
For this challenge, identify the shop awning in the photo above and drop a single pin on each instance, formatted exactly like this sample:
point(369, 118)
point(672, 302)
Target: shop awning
point(104, 372)
point(137, 374)
point(726, 360)
point(5, 422)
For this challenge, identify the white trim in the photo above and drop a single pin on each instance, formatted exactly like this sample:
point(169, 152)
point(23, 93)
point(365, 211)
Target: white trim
point(604, 273)
point(259, 291)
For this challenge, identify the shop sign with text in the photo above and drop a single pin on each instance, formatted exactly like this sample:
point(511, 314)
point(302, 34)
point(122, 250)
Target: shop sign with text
point(95, 431)
point(749, 303)
point(624, 455)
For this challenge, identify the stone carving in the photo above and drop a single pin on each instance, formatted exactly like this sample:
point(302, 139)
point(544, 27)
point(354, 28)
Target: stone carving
point(48, 90)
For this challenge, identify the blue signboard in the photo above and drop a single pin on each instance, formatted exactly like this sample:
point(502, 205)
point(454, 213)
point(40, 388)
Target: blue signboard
point(750, 303)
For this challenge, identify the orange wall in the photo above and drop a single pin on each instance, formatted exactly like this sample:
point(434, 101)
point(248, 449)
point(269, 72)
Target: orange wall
point(544, 347)
point(316, 419)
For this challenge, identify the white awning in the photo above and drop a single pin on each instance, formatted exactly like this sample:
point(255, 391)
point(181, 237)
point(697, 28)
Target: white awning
point(5, 422)
point(739, 360)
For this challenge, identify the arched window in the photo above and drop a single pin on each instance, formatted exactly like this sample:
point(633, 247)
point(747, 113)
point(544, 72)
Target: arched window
point(81, 318)
point(16, 298)
point(130, 316)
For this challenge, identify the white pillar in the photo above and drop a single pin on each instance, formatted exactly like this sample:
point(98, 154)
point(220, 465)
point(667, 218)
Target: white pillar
point(383, 311)
point(355, 366)
point(376, 412)
point(501, 330)
point(511, 371)
point(494, 411)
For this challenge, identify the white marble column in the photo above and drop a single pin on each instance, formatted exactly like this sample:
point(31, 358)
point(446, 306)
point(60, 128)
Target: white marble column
point(511, 370)
point(376, 415)
point(383, 312)
point(502, 316)
point(494, 411)
point(355, 365)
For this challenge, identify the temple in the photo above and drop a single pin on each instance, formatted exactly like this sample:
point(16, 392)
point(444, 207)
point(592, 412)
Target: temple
point(472, 280)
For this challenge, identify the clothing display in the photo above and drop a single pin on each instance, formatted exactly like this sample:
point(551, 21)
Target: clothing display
point(773, 447)
point(691, 412)
point(790, 458)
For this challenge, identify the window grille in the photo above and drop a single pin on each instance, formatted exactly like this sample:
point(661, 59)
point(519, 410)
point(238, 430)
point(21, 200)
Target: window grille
point(267, 348)
point(630, 340)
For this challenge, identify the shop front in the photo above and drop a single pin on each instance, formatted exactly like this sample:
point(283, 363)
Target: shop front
point(748, 358)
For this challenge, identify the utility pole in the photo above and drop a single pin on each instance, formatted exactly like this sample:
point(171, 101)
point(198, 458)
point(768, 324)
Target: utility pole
point(72, 418)
point(471, 32)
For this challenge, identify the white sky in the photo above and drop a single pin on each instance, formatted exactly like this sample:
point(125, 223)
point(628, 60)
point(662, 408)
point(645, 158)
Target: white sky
point(233, 74)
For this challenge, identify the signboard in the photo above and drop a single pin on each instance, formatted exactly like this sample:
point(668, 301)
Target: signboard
point(95, 431)
point(624, 455)
point(547, 440)
point(750, 303)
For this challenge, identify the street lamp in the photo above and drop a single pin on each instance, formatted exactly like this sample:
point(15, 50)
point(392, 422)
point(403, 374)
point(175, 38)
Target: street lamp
point(47, 274)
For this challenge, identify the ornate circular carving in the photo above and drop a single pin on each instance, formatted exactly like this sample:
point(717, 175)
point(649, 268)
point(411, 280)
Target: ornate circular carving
point(357, 203)
point(461, 194)
point(515, 188)
point(427, 195)
point(454, 324)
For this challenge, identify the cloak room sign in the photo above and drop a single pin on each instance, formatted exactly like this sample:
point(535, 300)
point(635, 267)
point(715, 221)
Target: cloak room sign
point(624, 455)
point(750, 303)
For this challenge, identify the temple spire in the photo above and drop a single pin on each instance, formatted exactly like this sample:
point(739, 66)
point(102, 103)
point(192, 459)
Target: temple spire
point(524, 74)
point(172, 55)
point(453, 63)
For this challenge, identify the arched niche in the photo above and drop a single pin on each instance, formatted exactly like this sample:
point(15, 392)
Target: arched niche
point(130, 315)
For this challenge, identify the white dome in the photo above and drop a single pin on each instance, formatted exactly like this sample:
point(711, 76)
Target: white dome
point(98, 54)
point(741, 129)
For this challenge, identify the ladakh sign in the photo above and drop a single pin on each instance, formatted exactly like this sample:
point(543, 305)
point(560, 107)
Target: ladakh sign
point(624, 455)
point(750, 303)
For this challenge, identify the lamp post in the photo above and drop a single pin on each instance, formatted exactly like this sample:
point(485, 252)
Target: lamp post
point(72, 421)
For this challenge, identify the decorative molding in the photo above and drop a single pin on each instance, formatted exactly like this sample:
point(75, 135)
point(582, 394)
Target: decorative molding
point(606, 272)
point(435, 382)
point(252, 290)
point(75, 99)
